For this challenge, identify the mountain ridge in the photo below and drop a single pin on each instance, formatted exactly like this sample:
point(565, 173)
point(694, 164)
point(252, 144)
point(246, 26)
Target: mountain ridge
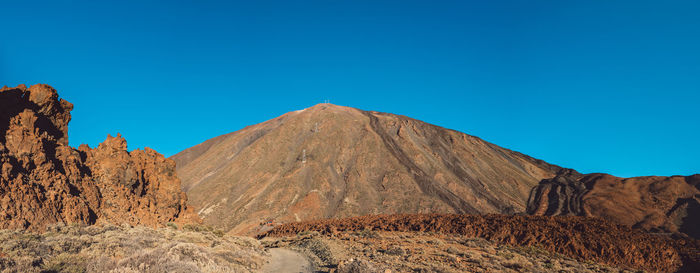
point(667, 204)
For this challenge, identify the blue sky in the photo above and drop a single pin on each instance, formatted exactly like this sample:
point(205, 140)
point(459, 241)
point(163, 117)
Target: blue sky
point(598, 86)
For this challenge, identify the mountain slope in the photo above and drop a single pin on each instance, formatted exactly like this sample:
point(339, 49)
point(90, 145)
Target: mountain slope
point(654, 203)
point(331, 161)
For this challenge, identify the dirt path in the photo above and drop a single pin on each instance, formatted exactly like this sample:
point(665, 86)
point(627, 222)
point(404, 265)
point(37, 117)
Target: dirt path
point(287, 261)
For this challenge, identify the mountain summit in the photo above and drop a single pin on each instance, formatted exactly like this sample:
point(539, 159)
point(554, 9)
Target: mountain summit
point(332, 161)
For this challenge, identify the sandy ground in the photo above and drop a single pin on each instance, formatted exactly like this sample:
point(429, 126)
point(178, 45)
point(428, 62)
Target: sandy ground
point(287, 261)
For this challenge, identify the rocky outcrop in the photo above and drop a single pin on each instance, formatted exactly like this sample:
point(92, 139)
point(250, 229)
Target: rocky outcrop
point(654, 203)
point(44, 181)
point(331, 161)
point(581, 238)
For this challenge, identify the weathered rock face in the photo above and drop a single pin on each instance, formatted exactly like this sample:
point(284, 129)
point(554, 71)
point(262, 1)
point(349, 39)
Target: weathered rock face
point(330, 161)
point(654, 203)
point(45, 181)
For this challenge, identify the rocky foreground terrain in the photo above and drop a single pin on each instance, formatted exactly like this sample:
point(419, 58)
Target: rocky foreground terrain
point(383, 251)
point(332, 161)
point(124, 249)
point(451, 243)
point(396, 243)
point(44, 181)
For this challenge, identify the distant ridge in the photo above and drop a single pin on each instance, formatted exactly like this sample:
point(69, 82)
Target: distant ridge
point(666, 204)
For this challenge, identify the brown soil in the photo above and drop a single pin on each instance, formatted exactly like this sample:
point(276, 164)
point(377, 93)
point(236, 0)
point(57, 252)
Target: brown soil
point(585, 239)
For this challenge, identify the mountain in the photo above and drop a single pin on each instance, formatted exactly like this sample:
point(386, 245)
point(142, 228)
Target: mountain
point(654, 203)
point(331, 161)
point(43, 181)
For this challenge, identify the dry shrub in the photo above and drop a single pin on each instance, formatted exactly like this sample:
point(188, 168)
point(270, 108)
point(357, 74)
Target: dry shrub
point(358, 266)
point(125, 249)
point(396, 251)
point(319, 248)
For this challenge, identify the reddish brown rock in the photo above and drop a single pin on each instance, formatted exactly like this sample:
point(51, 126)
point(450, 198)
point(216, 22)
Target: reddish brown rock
point(654, 203)
point(44, 181)
point(585, 239)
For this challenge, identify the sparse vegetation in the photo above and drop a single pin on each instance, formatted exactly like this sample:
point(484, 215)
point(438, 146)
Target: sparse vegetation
point(505, 254)
point(548, 265)
point(578, 238)
point(320, 249)
point(395, 251)
point(453, 250)
point(358, 266)
point(367, 233)
point(425, 252)
point(304, 233)
point(203, 228)
point(535, 250)
point(109, 248)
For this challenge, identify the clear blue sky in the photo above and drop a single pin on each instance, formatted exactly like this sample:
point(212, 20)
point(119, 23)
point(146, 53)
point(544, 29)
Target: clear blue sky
point(599, 86)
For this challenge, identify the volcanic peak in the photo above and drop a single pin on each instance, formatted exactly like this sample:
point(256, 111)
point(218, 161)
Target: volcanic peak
point(331, 161)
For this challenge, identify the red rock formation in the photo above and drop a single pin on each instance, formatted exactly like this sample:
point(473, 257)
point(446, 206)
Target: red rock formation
point(44, 181)
point(653, 203)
